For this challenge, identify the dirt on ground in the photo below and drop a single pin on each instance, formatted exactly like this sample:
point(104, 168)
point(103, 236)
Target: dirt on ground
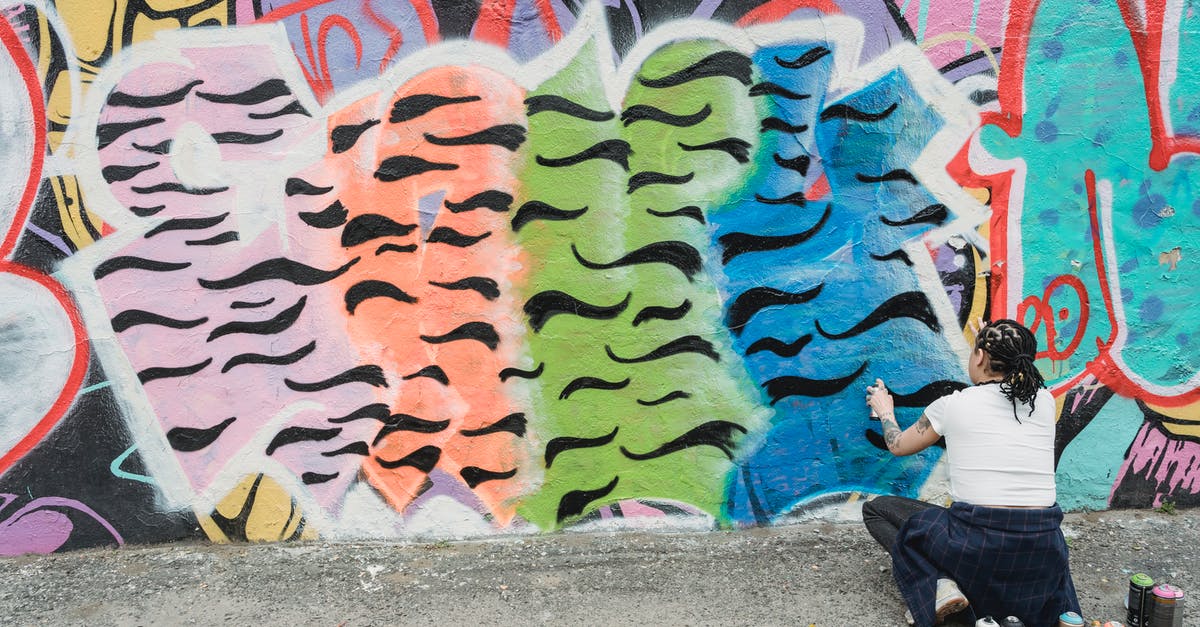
point(809, 573)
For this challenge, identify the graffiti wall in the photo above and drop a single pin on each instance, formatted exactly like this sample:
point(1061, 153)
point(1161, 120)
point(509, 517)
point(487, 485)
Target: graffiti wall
point(385, 269)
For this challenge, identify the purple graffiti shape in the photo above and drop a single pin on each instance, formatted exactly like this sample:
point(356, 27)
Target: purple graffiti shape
point(36, 528)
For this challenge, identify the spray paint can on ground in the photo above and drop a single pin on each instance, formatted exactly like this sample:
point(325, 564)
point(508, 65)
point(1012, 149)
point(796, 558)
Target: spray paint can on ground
point(1070, 619)
point(987, 621)
point(1168, 607)
point(1012, 621)
point(1140, 600)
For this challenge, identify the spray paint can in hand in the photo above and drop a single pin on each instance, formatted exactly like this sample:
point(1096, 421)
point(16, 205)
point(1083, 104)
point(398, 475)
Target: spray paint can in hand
point(1070, 619)
point(987, 621)
point(1168, 607)
point(1139, 600)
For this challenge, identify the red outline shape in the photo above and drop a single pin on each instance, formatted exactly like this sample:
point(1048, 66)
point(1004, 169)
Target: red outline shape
point(33, 87)
point(494, 24)
point(74, 379)
point(776, 10)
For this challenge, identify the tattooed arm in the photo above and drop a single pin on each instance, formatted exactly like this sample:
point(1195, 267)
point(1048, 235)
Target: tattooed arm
point(914, 439)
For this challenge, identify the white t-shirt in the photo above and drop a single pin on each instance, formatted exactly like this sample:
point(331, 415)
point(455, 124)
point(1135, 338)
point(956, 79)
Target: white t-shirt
point(993, 459)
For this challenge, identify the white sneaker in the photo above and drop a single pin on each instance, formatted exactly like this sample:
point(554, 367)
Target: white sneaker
point(949, 600)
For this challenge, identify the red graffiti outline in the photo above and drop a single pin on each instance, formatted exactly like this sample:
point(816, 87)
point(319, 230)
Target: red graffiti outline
point(74, 378)
point(1043, 312)
point(494, 24)
point(395, 37)
point(33, 87)
point(776, 10)
point(1147, 41)
point(424, 9)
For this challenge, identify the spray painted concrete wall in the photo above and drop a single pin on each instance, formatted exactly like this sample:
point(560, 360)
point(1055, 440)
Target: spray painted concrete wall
point(425, 269)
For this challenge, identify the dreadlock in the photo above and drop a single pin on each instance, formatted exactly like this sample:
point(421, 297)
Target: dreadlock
point(1010, 349)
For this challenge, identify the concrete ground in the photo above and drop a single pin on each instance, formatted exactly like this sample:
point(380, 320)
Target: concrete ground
point(808, 573)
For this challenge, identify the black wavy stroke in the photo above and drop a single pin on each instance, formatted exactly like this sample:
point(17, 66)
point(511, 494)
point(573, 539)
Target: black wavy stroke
point(682, 255)
point(615, 150)
point(808, 58)
point(118, 173)
point(134, 317)
point(767, 88)
point(798, 164)
point(375, 411)
point(330, 217)
point(641, 112)
point(715, 433)
point(781, 125)
point(491, 199)
point(662, 313)
point(727, 63)
point(545, 305)
point(895, 255)
point(913, 305)
point(423, 459)
point(642, 179)
point(511, 372)
point(591, 383)
point(116, 264)
point(270, 360)
point(842, 111)
point(186, 224)
point(161, 148)
point(450, 237)
point(190, 439)
point(395, 248)
point(557, 446)
point(292, 108)
point(404, 422)
point(236, 137)
point(780, 388)
point(403, 166)
point(513, 423)
point(300, 187)
point(690, 211)
point(574, 502)
point(280, 323)
point(295, 435)
point(151, 374)
point(120, 99)
point(413, 107)
point(281, 269)
point(146, 212)
point(434, 372)
point(667, 398)
point(507, 136)
point(371, 226)
point(890, 175)
point(481, 332)
point(366, 290)
point(735, 147)
point(486, 287)
point(685, 344)
point(371, 375)
point(538, 210)
point(936, 214)
point(353, 448)
point(216, 240)
point(108, 133)
point(260, 93)
point(314, 478)
point(928, 394)
point(549, 102)
point(795, 198)
point(241, 304)
point(475, 475)
point(754, 300)
point(179, 188)
point(343, 137)
point(734, 244)
point(779, 347)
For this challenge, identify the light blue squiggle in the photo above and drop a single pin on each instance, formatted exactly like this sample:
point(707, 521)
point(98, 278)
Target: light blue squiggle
point(115, 468)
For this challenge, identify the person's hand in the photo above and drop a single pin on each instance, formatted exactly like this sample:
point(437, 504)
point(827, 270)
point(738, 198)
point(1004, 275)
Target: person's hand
point(880, 401)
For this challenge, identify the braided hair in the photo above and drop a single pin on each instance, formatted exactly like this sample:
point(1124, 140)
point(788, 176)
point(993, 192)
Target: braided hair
point(1010, 349)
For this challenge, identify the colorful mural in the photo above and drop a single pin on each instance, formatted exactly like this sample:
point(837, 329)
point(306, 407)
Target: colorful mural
point(417, 269)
